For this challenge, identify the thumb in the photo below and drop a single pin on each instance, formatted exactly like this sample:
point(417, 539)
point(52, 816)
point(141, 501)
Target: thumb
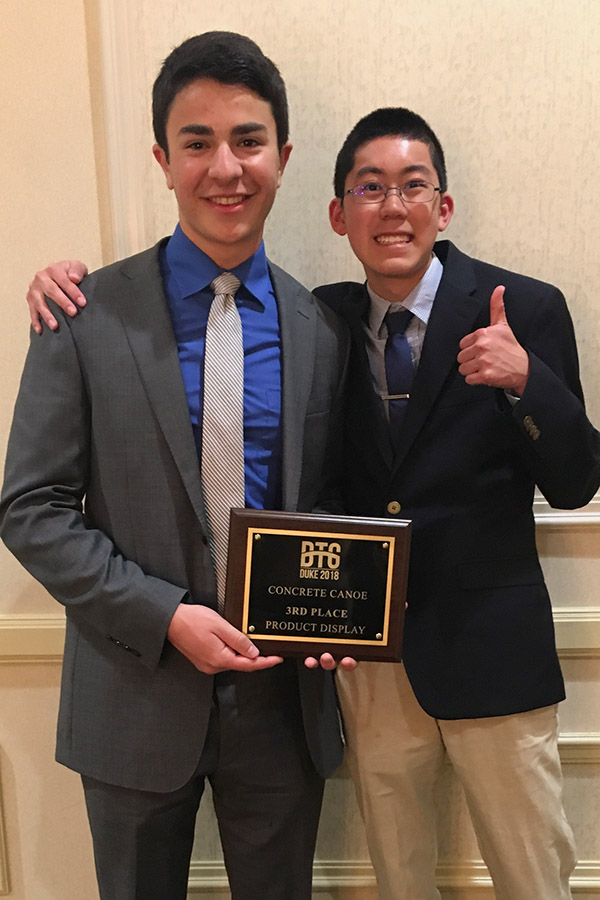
point(235, 639)
point(497, 311)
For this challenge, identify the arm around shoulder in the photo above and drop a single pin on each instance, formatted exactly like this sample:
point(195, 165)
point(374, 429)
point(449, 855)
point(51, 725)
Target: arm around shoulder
point(58, 281)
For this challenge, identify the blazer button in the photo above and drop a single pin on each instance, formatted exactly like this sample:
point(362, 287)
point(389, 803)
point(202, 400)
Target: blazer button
point(394, 507)
point(531, 428)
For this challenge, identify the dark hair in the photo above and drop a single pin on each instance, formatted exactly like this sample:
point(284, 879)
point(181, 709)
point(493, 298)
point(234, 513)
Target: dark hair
point(384, 123)
point(228, 58)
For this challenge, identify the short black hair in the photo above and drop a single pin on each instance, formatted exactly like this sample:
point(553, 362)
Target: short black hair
point(222, 56)
point(386, 122)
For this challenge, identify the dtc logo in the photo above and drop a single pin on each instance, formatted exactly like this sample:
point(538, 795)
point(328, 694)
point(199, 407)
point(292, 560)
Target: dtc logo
point(320, 555)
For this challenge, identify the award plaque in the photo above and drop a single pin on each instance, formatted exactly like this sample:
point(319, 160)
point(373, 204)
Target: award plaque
point(302, 585)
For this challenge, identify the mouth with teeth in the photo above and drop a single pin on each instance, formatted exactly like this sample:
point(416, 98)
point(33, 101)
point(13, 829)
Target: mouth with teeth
point(393, 238)
point(228, 201)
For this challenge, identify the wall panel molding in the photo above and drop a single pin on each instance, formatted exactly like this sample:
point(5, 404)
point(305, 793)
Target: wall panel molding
point(26, 637)
point(125, 118)
point(548, 516)
point(30, 638)
point(209, 876)
point(4, 879)
point(579, 747)
point(577, 631)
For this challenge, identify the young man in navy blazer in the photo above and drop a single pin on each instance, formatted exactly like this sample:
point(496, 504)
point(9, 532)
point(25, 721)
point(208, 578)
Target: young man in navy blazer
point(495, 407)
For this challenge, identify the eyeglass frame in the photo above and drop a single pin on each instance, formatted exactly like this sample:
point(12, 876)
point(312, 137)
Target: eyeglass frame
point(394, 187)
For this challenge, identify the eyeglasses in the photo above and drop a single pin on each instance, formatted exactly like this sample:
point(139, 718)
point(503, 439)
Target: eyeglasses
point(411, 191)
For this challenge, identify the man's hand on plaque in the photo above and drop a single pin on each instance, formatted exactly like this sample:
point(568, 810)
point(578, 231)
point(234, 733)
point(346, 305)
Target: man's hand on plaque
point(327, 661)
point(212, 644)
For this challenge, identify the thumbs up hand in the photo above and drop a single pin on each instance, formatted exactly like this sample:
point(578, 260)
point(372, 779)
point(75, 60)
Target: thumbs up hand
point(492, 355)
point(497, 311)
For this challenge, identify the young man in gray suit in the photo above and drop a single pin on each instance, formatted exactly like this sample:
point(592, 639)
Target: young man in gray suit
point(104, 503)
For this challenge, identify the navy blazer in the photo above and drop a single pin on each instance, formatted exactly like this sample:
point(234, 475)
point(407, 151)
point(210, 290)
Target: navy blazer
point(479, 636)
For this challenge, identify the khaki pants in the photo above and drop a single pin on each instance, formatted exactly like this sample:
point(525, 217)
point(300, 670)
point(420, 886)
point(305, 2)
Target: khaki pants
point(509, 769)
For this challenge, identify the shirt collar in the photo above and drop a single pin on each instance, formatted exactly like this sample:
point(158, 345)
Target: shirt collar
point(193, 270)
point(419, 301)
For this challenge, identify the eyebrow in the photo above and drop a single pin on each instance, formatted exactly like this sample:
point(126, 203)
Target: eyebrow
point(375, 170)
point(206, 130)
point(248, 128)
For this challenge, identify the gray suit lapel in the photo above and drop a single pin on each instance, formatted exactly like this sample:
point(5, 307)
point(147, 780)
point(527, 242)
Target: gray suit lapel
point(144, 314)
point(297, 323)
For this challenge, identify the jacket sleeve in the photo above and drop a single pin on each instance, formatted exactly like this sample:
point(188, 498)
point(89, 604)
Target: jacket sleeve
point(564, 446)
point(42, 509)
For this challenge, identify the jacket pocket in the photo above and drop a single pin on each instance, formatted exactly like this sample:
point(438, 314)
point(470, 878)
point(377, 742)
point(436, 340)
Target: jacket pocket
point(320, 404)
point(493, 573)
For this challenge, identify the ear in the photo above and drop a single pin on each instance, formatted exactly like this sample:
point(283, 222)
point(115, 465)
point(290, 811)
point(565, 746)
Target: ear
point(284, 155)
point(446, 211)
point(337, 220)
point(161, 157)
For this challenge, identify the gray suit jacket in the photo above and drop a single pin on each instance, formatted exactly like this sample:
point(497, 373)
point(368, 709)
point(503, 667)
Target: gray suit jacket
point(102, 503)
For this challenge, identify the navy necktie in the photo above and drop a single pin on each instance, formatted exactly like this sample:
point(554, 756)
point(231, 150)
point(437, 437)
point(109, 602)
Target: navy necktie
point(399, 369)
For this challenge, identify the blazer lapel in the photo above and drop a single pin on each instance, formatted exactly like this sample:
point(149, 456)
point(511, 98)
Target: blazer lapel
point(297, 323)
point(365, 413)
point(146, 320)
point(453, 315)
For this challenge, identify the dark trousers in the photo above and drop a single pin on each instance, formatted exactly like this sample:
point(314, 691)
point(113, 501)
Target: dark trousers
point(267, 797)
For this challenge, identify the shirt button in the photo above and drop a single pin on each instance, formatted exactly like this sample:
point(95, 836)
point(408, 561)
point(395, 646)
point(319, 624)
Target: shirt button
point(394, 507)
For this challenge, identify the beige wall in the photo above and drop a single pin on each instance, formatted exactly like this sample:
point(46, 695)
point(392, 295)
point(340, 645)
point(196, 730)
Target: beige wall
point(49, 210)
point(511, 88)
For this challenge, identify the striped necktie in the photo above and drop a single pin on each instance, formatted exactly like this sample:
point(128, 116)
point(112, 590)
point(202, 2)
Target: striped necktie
point(399, 369)
point(222, 466)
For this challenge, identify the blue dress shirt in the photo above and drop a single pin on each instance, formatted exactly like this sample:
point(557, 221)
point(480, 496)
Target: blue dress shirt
point(187, 273)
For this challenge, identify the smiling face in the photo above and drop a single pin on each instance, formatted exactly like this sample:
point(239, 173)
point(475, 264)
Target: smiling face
point(392, 239)
point(224, 166)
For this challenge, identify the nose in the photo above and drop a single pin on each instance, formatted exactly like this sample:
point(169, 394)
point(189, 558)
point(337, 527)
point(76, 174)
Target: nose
point(392, 205)
point(224, 164)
